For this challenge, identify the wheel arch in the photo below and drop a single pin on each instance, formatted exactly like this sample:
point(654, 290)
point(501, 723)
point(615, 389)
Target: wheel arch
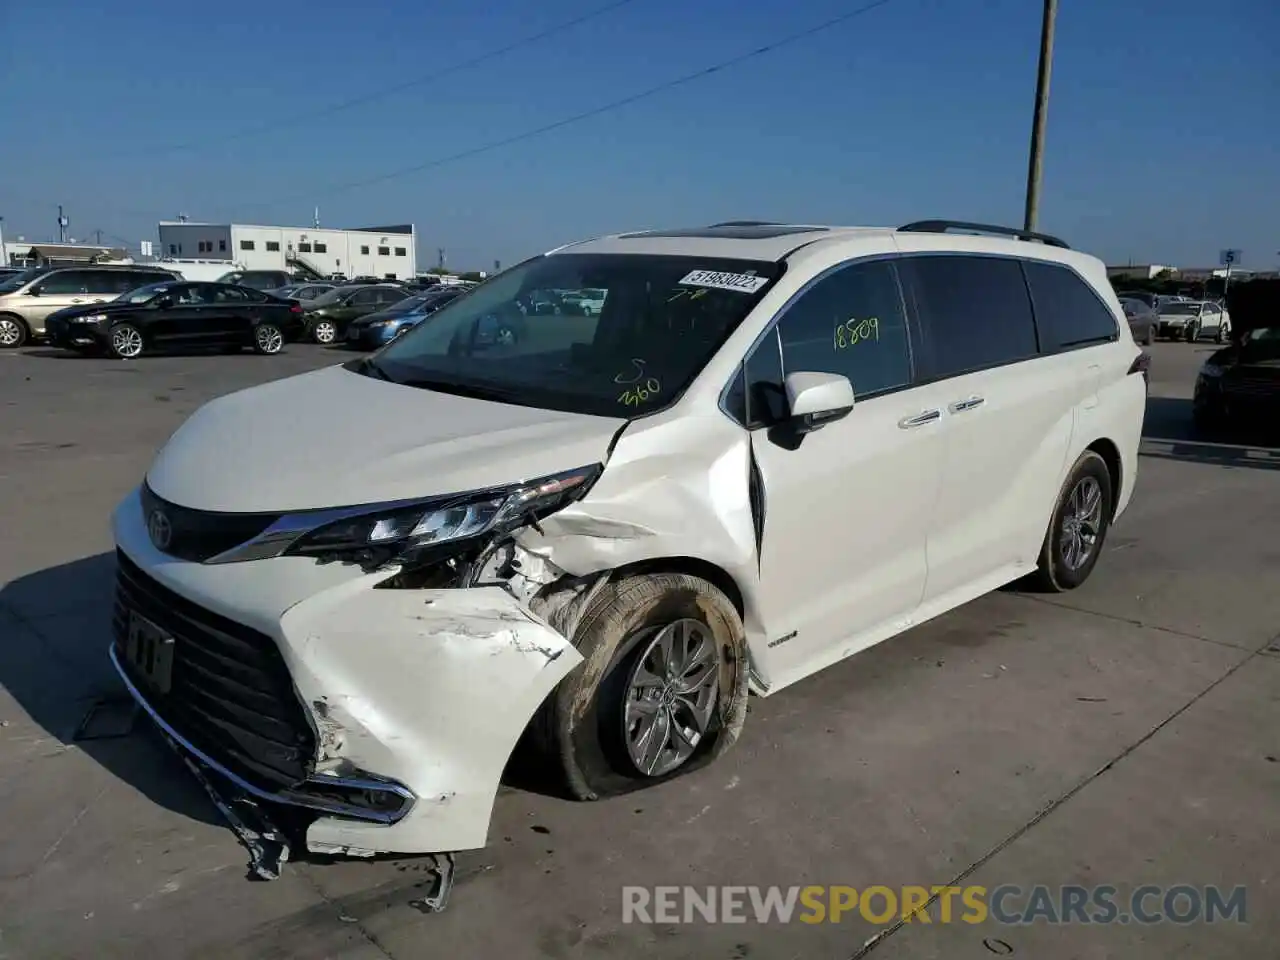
point(1110, 454)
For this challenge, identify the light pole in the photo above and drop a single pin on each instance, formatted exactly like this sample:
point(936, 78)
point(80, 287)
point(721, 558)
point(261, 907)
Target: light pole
point(1041, 116)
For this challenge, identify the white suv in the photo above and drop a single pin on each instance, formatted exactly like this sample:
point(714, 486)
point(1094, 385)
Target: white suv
point(353, 590)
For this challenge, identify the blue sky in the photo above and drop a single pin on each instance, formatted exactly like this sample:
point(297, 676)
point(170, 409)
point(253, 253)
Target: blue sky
point(1163, 144)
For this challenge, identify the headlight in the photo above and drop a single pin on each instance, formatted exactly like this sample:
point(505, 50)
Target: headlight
point(1210, 370)
point(400, 532)
point(89, 318)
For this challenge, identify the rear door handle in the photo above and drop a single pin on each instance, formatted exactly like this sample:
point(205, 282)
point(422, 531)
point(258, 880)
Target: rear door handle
point(928, 416)
point(967, 404)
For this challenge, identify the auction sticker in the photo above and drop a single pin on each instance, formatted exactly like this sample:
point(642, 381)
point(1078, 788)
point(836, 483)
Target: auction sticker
point(739, 282)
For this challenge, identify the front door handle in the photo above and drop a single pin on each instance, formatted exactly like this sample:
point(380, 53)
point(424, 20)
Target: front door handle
point(928, 416)
point(968, 403)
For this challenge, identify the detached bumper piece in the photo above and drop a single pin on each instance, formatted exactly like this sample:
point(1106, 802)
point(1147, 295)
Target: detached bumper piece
point(223, 692)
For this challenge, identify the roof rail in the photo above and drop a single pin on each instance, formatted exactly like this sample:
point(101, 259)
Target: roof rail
point(945, 226)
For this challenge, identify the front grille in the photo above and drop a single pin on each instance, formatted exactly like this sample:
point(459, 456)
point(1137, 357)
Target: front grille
point(231, 695)
point(199, 535)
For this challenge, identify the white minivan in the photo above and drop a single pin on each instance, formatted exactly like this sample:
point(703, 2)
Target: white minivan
point(352, 591)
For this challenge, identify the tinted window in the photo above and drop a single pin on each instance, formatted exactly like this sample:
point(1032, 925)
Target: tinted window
point(850, 322)
point(975, 311)
point(1068, 312)
point(227, 294)
point(391, 296)
point(65, 281)
point(758, 396)
point(364, 298)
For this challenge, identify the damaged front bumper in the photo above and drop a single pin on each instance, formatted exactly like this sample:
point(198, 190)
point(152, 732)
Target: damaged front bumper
point(388, 713)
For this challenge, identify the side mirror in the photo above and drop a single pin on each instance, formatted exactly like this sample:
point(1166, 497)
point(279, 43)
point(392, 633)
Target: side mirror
point(817, 399)
point(33, 292)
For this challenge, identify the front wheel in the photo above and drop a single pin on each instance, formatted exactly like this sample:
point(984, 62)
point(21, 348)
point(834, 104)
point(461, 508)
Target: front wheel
point(267, 339)
point(126, 341)
point(662, 691)
point(324, 331)
point(1223, 334)
point(1078, 527)
point(1193, 333)
point(13, 332)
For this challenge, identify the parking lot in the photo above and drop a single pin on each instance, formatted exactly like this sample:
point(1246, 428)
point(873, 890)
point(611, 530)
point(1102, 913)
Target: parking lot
point(1125, 734)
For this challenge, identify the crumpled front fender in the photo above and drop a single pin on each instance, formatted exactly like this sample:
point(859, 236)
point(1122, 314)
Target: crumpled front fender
point(430, 688)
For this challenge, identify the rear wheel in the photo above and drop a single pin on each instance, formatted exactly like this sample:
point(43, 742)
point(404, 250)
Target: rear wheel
point(267, 338)
point(324, 331)
point(126, 341)
point(1079, 526)
point(13, 331)
point(662, 691)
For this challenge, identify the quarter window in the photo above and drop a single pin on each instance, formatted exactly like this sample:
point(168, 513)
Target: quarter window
point(850, 322)
point(975, 311)
point(1068, 312)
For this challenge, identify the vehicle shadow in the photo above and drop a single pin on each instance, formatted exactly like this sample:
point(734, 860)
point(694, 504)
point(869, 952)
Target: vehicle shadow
point(56, 626)
point(55, 353)
point(1168, 433)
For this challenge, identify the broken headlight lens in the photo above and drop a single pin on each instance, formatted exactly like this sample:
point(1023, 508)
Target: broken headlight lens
point(395, 532)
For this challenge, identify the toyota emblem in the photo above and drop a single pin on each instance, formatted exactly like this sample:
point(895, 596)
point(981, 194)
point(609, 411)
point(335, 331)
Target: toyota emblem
point(160, 529)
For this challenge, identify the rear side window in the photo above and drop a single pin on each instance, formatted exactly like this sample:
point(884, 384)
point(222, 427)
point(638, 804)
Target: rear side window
point(975, 311)
point(1068, 312)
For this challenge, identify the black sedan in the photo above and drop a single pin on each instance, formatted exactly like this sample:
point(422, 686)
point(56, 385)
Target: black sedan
point(179, 315)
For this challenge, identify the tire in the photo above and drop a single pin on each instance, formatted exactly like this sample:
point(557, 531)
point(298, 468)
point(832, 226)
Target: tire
point(13, 331)
point(126, 342)
point(1192, 334)
point(268, 339)
point(1223, 333)
point(1059, 568)
point(324, 331)
point(583, 722)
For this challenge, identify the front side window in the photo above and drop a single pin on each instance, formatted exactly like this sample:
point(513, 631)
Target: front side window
point(663, 318)
point(64, 282)
point(975, 311)
point(1068, 313)
point(850, 322)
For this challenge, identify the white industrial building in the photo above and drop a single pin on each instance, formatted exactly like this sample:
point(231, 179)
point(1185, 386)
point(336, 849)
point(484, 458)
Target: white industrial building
point(387, 252)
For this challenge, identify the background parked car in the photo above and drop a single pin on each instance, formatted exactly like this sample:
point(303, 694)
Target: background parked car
point(1192, 320)
point(586, 303)
point(259, 279)
point(179, 314)
point(29, 297)
point(383, 326)
point(301, 291)
point(1142, 319)
point(328, 315)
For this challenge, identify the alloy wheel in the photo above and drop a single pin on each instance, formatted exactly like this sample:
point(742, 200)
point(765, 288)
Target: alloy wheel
point(325, 332)
point(10, 332)
point(126, 342)
point(670, 697)
point(269, 338)
point(1081, 523)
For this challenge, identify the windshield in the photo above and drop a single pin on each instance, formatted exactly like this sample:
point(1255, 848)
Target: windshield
point(143, 294)
point(10, 283)
point(663, 318)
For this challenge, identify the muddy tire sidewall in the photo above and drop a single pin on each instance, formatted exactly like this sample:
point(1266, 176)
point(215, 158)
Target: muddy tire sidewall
point(586, 709)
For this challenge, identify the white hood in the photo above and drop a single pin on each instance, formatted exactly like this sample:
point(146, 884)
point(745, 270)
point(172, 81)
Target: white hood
point(334, 438)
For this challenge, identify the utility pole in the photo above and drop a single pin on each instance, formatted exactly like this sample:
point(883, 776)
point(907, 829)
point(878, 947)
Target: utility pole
point(62, 226)
point(1041, 117)
point(440, 257)
point(98, 237)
